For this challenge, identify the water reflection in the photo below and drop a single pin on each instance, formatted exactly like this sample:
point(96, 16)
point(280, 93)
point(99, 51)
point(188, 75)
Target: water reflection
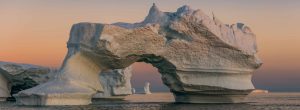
point(271, 101)
point(152, 106)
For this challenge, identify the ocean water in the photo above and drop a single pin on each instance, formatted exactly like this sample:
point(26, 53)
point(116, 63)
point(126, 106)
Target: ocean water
point(165, 101)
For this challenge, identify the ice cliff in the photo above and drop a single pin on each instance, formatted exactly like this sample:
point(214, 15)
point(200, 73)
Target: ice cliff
point(15, 77)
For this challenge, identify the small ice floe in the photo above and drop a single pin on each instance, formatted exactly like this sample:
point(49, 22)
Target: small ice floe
point(147, 88)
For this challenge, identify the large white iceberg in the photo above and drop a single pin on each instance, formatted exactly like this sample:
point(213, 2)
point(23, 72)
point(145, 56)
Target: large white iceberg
point(200, 59)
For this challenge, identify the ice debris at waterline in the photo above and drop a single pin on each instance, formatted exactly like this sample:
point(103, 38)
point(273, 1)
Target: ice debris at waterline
point(200, 59)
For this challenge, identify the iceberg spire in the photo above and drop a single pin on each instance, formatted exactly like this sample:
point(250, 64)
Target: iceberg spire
point(154, 14)
point(154, 9)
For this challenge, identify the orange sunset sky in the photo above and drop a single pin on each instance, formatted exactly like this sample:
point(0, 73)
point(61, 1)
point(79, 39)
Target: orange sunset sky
point(36, 31)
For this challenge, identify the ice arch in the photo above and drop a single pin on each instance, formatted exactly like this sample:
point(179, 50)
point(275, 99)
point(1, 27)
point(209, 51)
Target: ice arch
point(201, 60)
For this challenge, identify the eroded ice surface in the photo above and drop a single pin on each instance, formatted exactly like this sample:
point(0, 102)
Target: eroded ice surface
point(200, 59)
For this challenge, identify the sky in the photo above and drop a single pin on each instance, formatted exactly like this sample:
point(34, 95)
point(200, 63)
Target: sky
point(36, 31)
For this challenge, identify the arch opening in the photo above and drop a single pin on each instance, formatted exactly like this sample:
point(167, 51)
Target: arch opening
point(143, 72)
point(165, 68)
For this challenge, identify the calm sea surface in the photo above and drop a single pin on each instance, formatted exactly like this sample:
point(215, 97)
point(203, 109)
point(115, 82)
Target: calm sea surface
point(165, 101)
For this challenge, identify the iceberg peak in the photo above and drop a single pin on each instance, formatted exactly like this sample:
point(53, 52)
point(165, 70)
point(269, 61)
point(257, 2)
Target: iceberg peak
point(154, 9)
point(154, 14)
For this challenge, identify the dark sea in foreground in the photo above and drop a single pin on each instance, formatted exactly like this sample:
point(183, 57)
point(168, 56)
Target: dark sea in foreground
point(165, 101)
